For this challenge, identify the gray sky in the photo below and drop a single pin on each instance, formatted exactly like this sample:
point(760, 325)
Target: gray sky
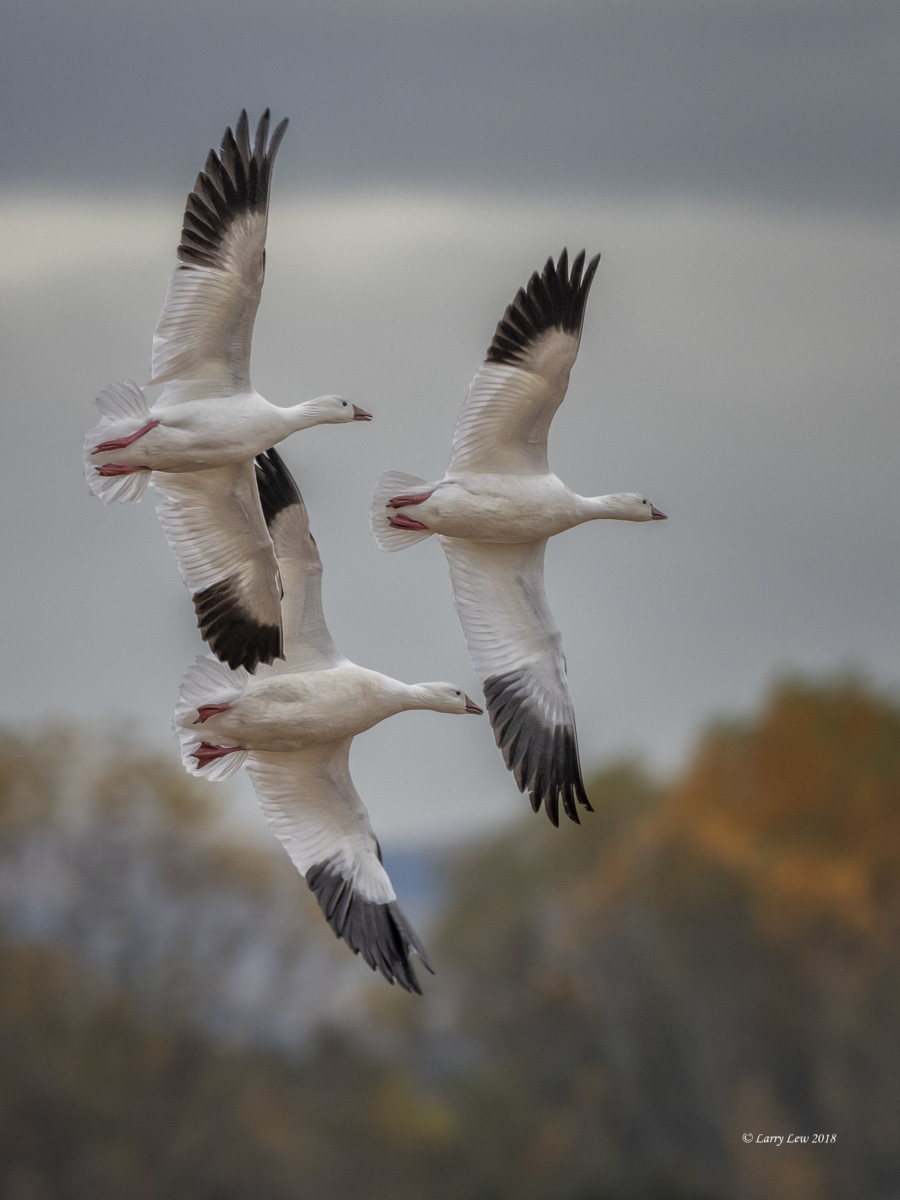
point(736, 164)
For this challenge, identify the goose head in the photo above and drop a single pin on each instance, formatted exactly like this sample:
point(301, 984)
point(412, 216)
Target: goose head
point(623, 506)
point(335, 410)
point(648, 511)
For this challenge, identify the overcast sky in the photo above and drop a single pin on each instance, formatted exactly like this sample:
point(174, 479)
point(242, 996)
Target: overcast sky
point(736, 163)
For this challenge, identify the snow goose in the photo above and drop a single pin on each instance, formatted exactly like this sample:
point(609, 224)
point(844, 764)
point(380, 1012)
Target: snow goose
point(292, 725)
point(197, 443)
point(494, 510)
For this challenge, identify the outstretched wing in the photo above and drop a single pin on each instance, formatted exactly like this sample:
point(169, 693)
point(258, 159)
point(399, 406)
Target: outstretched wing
point(307, 642)
point(214, 523)
point(310, 802)
point(506, 417)
point(206, 325)
point(516, 650)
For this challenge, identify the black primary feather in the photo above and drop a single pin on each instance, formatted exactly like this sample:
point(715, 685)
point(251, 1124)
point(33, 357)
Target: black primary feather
point(543, 758)
point(232, 634)
point(554, 299)
point(234, 181)
point(379, 932)
point(276, 486)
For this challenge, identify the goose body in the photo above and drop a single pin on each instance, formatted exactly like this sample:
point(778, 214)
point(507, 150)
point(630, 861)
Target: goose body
point(493, 512)
point(192, 435)
point(512, 508)
point(292, 726)
point(197, 442)
point(297, 710)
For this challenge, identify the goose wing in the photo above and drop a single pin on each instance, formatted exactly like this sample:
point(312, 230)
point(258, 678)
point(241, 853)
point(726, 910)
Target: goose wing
point(308, 645)
point(309, 801)
point(214, 523)
point(206, 325)
point(516, 650)
point(506, 417)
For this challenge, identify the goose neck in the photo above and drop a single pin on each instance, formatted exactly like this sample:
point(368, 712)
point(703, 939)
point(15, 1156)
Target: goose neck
point(599, 508)
point(301, 416)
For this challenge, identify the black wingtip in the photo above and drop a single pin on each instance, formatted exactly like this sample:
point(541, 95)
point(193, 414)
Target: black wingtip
point(276, 485)
point(379, 932)
point(543, 758)
point(553, 299)
point(233, 636)
point(235, 180)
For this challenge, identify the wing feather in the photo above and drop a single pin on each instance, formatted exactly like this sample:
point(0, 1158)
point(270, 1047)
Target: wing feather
point(309, 800)
point(206, 325)
point(516, 650)
point(505, 420)
point(214, 524)
point(308, 645)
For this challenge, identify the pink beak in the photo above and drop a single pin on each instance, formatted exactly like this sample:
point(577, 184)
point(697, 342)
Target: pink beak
point(656, 514)
point(360, 414)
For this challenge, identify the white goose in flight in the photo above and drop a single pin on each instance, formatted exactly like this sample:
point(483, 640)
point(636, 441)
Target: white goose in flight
point(292, 725)
point(197, 443)
point(494, 510)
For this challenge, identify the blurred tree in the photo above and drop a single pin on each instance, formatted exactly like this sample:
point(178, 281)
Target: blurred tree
point(696, 962)
point(97, 1101)
point(150, 968)
point(118, 856)
point(615, 1005)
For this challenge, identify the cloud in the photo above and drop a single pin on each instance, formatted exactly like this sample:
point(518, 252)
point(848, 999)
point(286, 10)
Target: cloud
point(791, 102)
point(53, 236)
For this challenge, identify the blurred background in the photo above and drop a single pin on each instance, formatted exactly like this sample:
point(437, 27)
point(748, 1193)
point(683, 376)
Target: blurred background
point(713, 953)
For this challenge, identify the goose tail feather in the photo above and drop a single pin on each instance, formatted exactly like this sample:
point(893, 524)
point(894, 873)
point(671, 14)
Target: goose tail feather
point(390, 484)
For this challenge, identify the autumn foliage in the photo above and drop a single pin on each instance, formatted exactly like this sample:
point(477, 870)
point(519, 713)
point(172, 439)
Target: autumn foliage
point(617, 1006)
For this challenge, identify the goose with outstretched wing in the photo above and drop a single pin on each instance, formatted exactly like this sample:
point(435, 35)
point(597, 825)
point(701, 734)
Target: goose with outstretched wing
point(494, 511)
point(292, 725)
point(197, 443)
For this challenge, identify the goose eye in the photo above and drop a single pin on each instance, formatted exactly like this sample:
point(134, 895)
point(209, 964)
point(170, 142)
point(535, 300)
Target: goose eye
point(459, 693)
point(343, 404)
